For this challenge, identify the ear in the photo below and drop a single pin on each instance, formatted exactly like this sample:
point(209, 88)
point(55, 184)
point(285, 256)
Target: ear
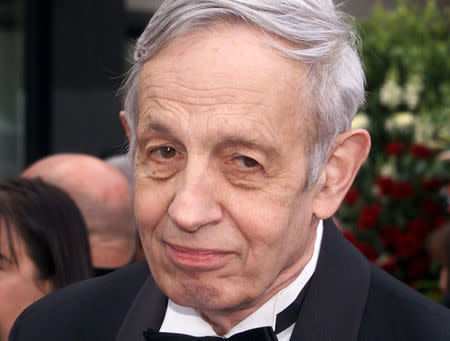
point(350, 151)
point(443, 279)
point(125, 125)
point(46, 286)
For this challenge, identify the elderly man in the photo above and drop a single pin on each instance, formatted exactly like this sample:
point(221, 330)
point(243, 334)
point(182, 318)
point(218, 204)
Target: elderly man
point(239, 113)
point(105, 199)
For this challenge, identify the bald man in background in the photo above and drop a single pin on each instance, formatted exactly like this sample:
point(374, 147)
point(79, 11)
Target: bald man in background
point(104, 197)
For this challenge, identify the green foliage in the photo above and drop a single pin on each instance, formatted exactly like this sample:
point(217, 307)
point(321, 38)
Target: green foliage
point(407, 46)
point(397, 199)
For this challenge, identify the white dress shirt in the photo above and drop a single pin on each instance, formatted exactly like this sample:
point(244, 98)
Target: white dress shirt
point(185, 320)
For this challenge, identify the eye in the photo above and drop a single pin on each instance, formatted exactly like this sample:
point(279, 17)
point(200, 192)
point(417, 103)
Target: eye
point(163, 153)
point(244, 172)
point(247, 161)
point(162, 162)
point(244, 164)
point(167, 152)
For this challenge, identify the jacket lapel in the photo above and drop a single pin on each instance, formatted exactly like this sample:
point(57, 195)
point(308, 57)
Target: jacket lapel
point(335, 300)
point(147, 311)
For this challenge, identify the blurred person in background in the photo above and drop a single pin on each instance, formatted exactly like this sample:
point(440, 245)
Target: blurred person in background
point(438, 245)
point(125, 166)
point(104, 197)
point(43, 245)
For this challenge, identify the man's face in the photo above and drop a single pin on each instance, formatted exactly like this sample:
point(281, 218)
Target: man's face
point(220, 170)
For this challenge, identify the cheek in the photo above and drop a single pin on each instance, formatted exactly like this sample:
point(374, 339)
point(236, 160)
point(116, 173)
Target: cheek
point(272, 223)
point(150, 205)
point(264, 216)
point(16, 293)
point(263, 226)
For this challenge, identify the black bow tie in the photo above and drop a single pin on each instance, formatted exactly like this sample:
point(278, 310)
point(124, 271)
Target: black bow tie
point(257, 334)
point(284, 320)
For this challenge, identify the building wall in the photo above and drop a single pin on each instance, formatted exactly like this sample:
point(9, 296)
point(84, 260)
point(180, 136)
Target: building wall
point(358, 8)
point(362, 8)
point(87, 69)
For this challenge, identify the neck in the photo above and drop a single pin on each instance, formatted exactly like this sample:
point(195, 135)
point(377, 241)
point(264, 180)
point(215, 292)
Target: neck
point(110, 252)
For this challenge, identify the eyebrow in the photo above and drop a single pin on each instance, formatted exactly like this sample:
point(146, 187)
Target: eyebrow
point(238, 141)
point(158, 127)
point(162, 129)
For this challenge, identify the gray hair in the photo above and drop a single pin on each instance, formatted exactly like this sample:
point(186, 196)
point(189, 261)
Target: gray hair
point(320, 36)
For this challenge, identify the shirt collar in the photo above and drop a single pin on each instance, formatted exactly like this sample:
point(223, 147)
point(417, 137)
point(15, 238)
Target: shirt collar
point(185, 320)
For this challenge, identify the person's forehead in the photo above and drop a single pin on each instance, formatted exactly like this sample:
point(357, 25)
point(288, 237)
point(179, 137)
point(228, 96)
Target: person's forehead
point(226, 69)
point(224, 57)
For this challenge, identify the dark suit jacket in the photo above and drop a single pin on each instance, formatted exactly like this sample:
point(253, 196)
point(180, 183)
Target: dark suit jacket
point(348, 299)
point(446, 300)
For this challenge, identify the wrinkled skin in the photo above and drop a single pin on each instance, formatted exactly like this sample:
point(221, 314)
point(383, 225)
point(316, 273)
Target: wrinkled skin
point(220, 170)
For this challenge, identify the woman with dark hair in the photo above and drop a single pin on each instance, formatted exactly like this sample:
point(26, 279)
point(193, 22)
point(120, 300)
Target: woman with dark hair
point(43, 245)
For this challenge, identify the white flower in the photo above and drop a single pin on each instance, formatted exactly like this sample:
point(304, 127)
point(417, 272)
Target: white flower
point(400, 121)
point(413, 88)
point(391, 94)
point(361, 120)
point(444, 132)
point(388, 169)
point(424, 130)
point(432, 134)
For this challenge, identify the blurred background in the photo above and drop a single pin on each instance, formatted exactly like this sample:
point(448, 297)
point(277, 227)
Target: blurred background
point(62, 63)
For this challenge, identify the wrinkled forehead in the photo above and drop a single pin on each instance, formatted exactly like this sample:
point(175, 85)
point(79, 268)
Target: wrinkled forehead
point(226, 64)
point(227, 35)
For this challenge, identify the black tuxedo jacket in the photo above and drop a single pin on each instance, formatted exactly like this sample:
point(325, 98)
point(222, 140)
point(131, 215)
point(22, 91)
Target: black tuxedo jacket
point(348, 299)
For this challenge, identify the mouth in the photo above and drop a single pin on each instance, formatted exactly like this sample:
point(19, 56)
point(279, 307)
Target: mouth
point(198, 259)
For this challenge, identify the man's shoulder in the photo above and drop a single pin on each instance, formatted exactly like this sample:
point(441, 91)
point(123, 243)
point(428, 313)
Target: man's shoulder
point(403, 313)
point(88, 310)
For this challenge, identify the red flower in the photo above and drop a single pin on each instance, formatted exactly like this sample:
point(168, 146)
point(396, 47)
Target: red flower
point(402, 190)
point(391, 235)
point(368, 217)
point(420, 151)
point(417, 268)
point(408, 245)
point(367, 251)
point(352, 196)
point(350, 236)
point(394, 148)
point(419, 228)
point(438, 222)
point(431, 184)
point(388, 264)
point(431, 207)
point(385, 185)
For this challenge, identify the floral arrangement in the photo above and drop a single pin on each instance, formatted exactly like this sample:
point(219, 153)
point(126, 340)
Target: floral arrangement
point(399, 196)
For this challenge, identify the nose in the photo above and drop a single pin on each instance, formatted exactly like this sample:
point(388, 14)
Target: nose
point(194, 205)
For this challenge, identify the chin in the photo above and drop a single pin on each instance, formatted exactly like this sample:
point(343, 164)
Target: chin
point(198, 293)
